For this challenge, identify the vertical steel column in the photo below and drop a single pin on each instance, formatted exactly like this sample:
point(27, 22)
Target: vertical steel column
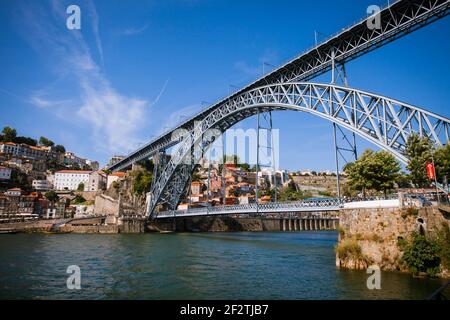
point(224, 160)
point(209, 176)
point(257, 165)
point(337, 161)
point(273, 158)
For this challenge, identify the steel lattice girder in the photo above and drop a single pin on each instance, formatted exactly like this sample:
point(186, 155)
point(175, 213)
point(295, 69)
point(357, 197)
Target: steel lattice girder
point(398, 19)
point(385, 122)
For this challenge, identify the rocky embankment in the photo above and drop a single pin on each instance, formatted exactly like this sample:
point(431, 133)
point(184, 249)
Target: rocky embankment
point(380, 236)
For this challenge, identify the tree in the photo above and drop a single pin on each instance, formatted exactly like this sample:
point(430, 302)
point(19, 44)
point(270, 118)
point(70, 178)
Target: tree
point(9, 134)
point(78, 200)
point(442, 162)
point(20, 180)
point(377, 171)
point(43, 141)
point(418, 150)
point(59, 148)
point(292, 193)
point(142, 180)
point(51, 196)
point(80, 187)
point(25, 140)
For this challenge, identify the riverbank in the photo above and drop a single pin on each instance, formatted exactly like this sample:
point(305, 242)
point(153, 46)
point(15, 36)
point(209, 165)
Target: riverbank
point(179, 224)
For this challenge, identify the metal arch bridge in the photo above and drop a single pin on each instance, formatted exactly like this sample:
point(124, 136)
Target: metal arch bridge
point(381, 120)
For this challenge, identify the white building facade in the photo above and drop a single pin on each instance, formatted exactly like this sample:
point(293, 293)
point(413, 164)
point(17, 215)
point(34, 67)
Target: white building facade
point(71, 179)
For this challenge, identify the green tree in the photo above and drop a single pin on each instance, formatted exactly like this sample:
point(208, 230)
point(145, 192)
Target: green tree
point(80, 187)
point(78, 200)
point(52, 196)
point(292, 193)
point(9, 134)
point(43, 141)
point(26, 140)
point(442, 162)
point(142, 180)
point(418, 150)
point(377, 171)
point(59, 148)
point(20, 180)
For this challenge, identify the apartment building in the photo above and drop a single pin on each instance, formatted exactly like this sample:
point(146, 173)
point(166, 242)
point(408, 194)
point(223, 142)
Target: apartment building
point(71, 179)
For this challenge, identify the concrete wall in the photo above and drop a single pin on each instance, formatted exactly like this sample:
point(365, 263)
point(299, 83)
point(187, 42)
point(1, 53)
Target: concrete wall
point(105, 205)
point(229, 224)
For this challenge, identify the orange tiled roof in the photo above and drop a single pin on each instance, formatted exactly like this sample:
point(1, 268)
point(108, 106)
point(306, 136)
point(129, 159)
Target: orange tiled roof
point(118, 174)
point(73, 171)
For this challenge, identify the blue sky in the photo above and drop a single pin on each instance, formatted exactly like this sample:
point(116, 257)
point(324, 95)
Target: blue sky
point(137, 67)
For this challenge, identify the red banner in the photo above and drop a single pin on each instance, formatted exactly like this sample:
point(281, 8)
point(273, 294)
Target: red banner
point(431, 172)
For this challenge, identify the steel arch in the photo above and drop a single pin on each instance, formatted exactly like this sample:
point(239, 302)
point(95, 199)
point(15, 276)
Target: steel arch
point(385, 122)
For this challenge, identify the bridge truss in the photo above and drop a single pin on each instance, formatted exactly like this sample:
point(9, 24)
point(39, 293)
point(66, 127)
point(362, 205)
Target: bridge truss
point(400, 18)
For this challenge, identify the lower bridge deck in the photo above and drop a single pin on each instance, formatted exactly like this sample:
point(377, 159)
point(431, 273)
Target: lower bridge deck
point(268, 210)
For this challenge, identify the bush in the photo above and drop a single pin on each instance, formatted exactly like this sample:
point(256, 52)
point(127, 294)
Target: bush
point(341, 231)
point(443, 242)
point(142, 180)
point(409, 212)
point(349, 249)
point(422, 255)
point(78, 200)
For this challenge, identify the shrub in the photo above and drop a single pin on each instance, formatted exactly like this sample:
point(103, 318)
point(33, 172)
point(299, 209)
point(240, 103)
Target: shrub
point(142, 180)
point(78, 200)
point(422, 255)
point(410, 212)
point(341, 231)
point(443, 242)
point(349, 249)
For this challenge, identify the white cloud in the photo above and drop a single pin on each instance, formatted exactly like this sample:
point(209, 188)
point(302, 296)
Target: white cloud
point(114, 119)
point(46, 103)
point(133, 31)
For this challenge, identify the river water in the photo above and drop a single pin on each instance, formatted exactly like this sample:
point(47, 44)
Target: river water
point(297, 265)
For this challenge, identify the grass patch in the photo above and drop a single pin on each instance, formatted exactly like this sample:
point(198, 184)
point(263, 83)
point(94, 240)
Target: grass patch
point(409, 212)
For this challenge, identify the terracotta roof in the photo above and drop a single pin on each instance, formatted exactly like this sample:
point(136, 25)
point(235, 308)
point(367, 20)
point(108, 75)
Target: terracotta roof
point(74, 171)
point(118, 174)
